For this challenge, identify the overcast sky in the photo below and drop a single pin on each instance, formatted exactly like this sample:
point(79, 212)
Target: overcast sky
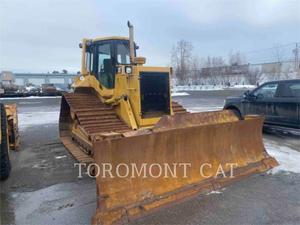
point(43, 35)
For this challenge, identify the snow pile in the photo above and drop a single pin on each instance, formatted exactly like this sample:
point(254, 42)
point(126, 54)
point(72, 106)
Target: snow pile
point(175, 94)
point(214, 192)
point(210, 87)
point(243, 86)
point(197, 88)
point(37, 118)
point(288, 158)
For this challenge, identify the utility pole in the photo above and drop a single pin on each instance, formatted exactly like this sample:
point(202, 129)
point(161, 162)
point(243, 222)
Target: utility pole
point(296, 52)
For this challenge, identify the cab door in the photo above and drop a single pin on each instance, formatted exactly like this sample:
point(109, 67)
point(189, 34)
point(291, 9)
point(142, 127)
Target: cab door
point(287, 105)
point(105, 65)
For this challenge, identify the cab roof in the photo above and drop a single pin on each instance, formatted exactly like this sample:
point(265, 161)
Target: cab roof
point(110, 38)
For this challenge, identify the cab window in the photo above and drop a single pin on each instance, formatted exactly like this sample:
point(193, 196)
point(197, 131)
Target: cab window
point(266, 91)
point(89, 59)
point(123, 53)
point(105, 67)
point(295, 88)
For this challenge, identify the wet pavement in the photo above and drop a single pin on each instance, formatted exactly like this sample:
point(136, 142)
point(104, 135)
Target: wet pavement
point(43, 187)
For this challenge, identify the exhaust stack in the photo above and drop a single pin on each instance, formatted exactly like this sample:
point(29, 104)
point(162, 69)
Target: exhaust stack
point(131, 42)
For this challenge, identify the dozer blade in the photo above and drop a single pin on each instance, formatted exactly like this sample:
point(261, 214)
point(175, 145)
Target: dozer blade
point(206, 143)
point(12, 122)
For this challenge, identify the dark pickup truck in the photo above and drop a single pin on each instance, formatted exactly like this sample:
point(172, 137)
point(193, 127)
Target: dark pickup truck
point(277, 101)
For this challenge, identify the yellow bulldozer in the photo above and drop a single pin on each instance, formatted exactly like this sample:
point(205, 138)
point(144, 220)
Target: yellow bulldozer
point(121, 116)
point(9, 136)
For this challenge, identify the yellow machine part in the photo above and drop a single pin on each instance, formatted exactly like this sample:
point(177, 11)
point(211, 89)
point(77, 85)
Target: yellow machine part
point(214, 139)
point(111, 126)
point(12, 122)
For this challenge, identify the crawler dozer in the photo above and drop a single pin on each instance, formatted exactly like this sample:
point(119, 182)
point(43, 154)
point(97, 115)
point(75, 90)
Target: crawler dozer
point(9, 136)
point(121, 113)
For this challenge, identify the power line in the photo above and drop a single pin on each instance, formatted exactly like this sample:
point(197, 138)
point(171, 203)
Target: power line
point(269, 54)
point(271, 48)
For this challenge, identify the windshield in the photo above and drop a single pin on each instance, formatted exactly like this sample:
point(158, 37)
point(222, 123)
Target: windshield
point(123, 53)
point(266, 91)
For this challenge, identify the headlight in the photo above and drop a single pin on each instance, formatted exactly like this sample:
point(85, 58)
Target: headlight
point(128, 69)
point(119, 69)
point(81, 77)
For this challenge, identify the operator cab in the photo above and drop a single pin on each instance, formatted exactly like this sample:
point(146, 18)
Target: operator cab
point(103, 55)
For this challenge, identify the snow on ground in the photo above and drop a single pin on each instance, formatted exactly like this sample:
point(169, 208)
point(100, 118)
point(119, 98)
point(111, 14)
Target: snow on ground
point(243, 86)
point(288, 158)
point(214, 192)
point(210, 87)
point(204, 109)
point(175, 94)
point(30, 97)
point(37, 118)
point(197, 88)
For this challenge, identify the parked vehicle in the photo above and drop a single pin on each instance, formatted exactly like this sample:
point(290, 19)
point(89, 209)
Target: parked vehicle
point(7, 83)
point(9, 136)
point(278, 101)
point(32, 89)
point(49, 89)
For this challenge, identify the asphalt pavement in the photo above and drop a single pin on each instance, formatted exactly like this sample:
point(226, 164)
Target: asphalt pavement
point(43, 187)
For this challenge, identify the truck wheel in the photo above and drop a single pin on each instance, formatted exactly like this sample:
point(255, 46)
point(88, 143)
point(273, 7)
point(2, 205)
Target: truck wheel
point(237, 113)
point(4, 155)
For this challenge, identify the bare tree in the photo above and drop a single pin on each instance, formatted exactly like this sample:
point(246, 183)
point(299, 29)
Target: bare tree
point(208, 62)
point(195, 75)
point(236, 59)
point(217, 61)
point(277, 71)
point(182, 59)
point(278, 52)
point(254, 76)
